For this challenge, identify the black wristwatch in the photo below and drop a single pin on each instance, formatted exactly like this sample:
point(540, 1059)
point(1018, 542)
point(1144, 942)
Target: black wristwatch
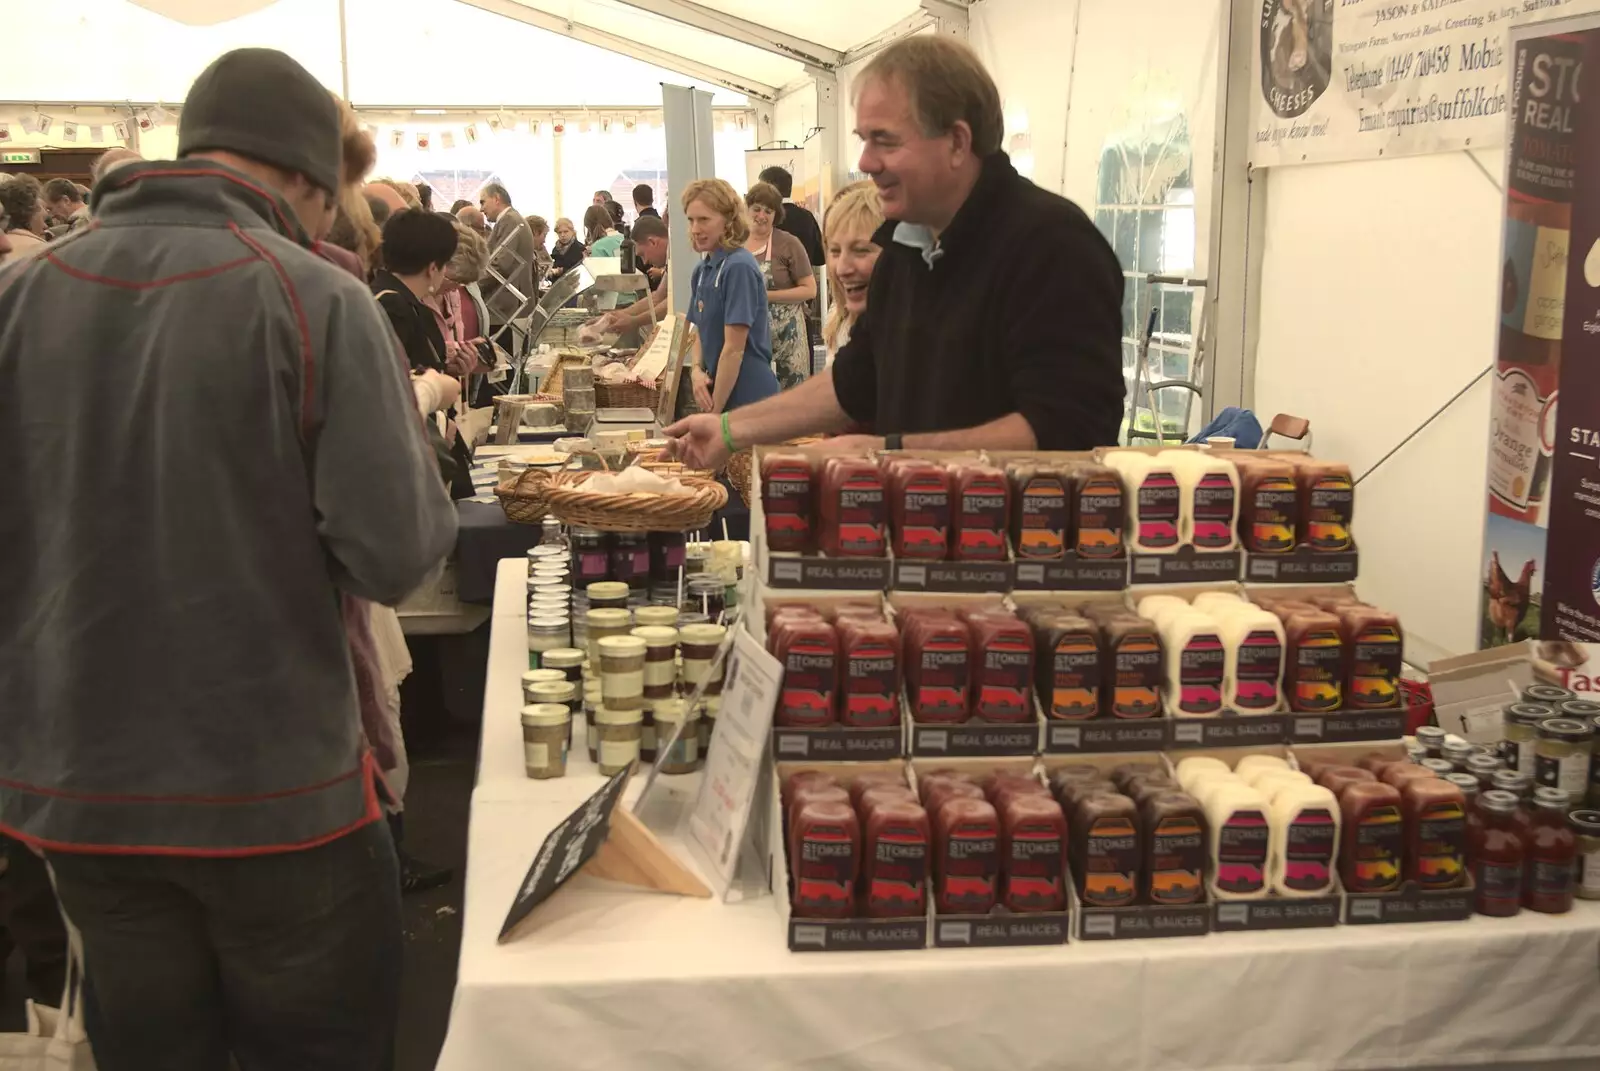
point(893, 442)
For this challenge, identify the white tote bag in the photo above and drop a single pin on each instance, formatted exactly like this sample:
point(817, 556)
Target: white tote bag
point(56, 1039)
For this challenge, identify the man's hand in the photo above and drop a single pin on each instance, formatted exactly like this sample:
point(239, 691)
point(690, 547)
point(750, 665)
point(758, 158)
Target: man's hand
point(702, 389)
point(447, 387)
point(697, 442)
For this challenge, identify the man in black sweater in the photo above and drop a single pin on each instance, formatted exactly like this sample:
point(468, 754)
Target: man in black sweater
point(994, 317)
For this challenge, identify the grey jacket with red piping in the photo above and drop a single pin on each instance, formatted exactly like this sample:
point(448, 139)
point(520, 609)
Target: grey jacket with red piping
point(207, 436)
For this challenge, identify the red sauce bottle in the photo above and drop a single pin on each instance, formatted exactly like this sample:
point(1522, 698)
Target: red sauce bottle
point(894, 880)
point(863, 782)
point(937, 666)
point(1313, 662)
point(813, 792)
point(826, 845)
point(852, 508)
point(1398, 773)
point(1033, 853)
point(919, 508)
point(1106, 849)
point(982, 501)
point(870, 654)
point(871, 799)
point(789, 502)
point(1551, 847)
point(1005, 786)
point(1002, 668)
point(1376, 649)
point(1436, 833)
point(941, 792)
point(809, 651)
point(968, 860)
point(1373, 836)
point(1098, 511)
point(1498, 856)
point(1041, 511)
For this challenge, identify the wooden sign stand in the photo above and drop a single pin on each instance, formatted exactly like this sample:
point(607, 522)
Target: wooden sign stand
point(632, 855)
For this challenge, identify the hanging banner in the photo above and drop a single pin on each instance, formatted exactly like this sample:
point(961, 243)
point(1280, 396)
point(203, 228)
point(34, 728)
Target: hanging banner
point(1363, 79)
point(1541, 567)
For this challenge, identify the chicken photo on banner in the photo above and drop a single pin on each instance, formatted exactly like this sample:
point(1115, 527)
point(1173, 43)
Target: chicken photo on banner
point(1513, 572)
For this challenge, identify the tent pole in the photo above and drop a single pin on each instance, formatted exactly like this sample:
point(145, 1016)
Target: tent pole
point(344, 56)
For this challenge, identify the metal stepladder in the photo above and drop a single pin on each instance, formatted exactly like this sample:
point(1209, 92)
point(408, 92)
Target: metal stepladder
point(1146, 387)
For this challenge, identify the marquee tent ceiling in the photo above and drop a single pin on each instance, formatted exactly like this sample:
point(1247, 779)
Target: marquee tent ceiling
point(452, 52)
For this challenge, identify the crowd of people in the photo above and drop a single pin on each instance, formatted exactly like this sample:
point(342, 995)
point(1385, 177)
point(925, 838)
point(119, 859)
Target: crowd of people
point(241, 451)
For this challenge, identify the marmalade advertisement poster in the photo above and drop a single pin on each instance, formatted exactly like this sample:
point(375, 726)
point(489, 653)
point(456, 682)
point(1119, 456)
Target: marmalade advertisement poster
point(1541, 558)
point(1369, 79)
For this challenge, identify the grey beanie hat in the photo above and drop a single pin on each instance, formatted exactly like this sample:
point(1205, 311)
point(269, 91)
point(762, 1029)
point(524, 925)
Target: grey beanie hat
point(260, 103)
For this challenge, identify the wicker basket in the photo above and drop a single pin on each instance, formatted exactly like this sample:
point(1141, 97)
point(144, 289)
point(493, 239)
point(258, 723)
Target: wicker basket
point(739, 466)
point(626, 396)
point(658, 462)
point(635, 512)
point(525, 499)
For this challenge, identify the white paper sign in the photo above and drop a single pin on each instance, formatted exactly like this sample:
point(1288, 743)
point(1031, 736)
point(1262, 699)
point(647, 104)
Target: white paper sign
point(733, 768)
point(1364, 79)
point(653, 361)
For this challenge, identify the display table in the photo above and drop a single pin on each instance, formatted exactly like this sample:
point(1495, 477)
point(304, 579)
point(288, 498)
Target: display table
point(613, 978)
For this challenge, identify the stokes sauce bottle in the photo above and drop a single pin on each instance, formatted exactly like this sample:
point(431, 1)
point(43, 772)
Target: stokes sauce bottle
point(809, 651)
point(1041, 511)
point(1002, 668)
point(852, 508)
point(1269, 505)
point(870, 653)
point(1327, 505)
point(1133, 658)
point(919, 508)
point(1098, 510)
point(825, 839)
point(1069, 672)
point(894, 879)
point(982, 501)
point(1313, 662)
point(1175, 839)
point(1373, 835)
point(937, 667)
point(788, 501)
point(1106, 849)
point(1436, 841)
point(1376, 648)
point(1033, 853)
point(968, 871)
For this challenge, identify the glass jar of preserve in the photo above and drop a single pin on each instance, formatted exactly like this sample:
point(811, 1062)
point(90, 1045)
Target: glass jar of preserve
point(1497, 855)
point(1521, 731)
point(617, 737)
point(1431, 737)
point(1551, 848)
point(1515, 782)
point(1470, 790)
point(589, 559)
point(1561, 757)
point(1440, 767)
point(608, 621)
point(546, 732)
point(1586, 824)
point(1483, 768)
point(1455, 751)
point(608, 595)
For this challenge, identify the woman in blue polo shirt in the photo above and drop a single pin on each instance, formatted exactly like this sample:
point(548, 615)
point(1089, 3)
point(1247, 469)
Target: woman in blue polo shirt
point(732, 359)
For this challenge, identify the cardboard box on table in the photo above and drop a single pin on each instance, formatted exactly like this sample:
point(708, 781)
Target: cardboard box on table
point(1000, 927)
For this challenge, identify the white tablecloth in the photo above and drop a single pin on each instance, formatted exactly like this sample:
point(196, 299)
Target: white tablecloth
point(614, 978)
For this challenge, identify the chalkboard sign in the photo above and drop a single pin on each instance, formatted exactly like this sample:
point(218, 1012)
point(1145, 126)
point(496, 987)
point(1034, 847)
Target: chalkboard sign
point(570, 845)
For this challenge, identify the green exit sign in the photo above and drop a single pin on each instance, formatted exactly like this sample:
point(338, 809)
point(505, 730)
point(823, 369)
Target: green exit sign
point(20, 156)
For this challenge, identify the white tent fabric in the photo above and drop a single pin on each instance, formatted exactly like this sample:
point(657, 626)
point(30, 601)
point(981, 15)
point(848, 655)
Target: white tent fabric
point(429, 52)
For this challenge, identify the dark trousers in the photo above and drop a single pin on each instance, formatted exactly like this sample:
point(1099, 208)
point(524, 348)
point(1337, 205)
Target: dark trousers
point(289, 962)
point(31, 922)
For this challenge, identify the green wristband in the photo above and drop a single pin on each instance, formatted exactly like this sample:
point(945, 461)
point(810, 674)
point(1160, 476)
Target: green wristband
point(727, 436)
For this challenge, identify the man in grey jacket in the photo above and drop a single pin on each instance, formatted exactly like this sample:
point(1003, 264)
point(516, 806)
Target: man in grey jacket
point(212, 440)
point(510, 254)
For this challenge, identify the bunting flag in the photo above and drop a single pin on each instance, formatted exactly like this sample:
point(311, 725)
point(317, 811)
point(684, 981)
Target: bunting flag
point(447, 139)
point(493, 123)
point(121, 130)
point(5, 131)
point(630, 123)
point(42, 123)
point(97, 133)
point(424, 141)
point(397, 138)
point(145, 122)
point(471, 133)
point(69, 131)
